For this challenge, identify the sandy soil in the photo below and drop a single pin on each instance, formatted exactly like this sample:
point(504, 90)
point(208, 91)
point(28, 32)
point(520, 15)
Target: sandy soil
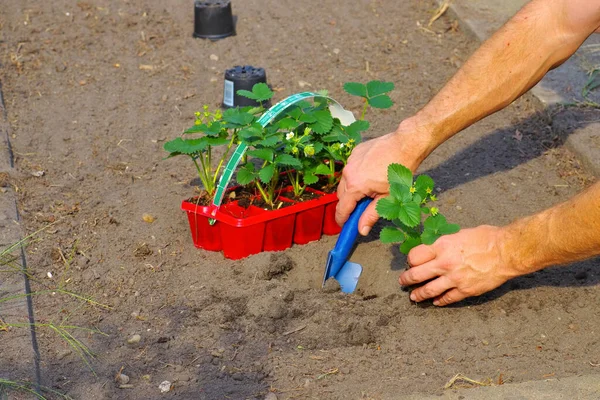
point(94, 88)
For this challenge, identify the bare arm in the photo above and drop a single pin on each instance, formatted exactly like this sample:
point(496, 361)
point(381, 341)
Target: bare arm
point(539, 37)
point(474, 261)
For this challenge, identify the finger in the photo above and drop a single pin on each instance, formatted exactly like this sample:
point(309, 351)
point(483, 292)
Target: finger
point(451, 296)
point(368, 218)
point(347, 203)
point(432, 289)
point(422, 273)
point(420, 255)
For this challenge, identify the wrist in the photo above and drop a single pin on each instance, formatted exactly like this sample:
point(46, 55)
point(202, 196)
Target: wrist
point(415, 141)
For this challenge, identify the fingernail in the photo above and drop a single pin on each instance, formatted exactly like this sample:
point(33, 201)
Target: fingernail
point(365, 230)
point(436, 302)
point(413, 297)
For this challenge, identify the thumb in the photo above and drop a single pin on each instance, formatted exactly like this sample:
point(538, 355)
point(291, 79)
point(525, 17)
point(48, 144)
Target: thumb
point(368, 218)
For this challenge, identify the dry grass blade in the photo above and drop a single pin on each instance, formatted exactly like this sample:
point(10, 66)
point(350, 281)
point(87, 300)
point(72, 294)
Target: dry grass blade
point(439, 12)
point(459, 379)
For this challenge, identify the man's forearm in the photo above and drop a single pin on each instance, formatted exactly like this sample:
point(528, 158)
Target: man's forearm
point(563, 234)
point(539, 37)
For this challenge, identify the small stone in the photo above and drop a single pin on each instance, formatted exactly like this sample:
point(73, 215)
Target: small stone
point(214, 57)
point(345, 370)
point(148, 218)
point(271, 396)
point(303, 84)
point(237, 376)
point(135, 339)
point(122, 379)
point(214, 79)
point(165, 386)
point(336, 51)
point(63, 354)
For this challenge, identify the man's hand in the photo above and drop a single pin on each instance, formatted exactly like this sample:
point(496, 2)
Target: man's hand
point(365, 175)
point(468, 263)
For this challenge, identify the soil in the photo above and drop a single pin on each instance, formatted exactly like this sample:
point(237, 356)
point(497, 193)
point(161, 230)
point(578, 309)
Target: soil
point(94, 88)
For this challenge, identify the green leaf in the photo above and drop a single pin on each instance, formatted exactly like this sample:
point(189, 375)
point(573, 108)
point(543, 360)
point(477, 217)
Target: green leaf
point(216, 141)
point(449, 229)
point(435, 222)
point(266, 173)
point(263, 154)
point(410, 214)
point(251, 133)
point(270, 141)
point(322, 169)
point(323, 123)
point(260, 92)
point(400, 192)
point(422, 183)
point(286, 159)
point(398, 173)
point(409, 243)
point(190, 146)
point(382, 101)
point(354, 129)
point(387, 208)
point(309, 118)
point(245, 174)
point(375, 88)
point(310, 178)
point(212, 130)
point(294, 111)
point(428, 237)
point(355, 89)
point(288, 124)
point(391, 235)
point(237, 117)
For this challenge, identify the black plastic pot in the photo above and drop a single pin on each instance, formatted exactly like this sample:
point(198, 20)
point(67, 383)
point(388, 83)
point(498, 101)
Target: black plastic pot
point(213, 19)
point(242, 78)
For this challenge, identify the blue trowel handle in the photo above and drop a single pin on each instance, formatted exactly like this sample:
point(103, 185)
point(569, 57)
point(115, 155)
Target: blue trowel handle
point(350, 230)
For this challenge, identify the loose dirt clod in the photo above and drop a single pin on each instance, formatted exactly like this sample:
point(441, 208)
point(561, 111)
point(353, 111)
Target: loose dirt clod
point(331, 286)
point(279, 264)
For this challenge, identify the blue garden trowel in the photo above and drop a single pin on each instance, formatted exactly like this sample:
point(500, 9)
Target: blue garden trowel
point(338, 266)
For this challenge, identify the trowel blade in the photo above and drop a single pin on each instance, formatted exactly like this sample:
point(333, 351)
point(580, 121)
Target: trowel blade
point(348, 276)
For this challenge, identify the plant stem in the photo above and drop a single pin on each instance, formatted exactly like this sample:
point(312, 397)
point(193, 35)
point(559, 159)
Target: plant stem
point(362, 116)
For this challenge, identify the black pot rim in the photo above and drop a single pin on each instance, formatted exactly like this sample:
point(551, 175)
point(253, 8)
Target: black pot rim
point(217, 36)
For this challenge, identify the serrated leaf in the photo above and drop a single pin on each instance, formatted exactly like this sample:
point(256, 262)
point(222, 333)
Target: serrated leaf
point(382, 101)
point(245, 174)
point(260, 92)
point(391, 235)
point(398, 173)
point(354, 129)
point(216, 141)
point(410, 214)
point(266, 173)
point(323, 123)
point(251, 133)
point(286, 159)
point(387, 208)
point(270, 141)
point(189, 146)
point(236, 117)
point(294, 111)
point(263, 154)
point(400, 192)
point(428, 237)
point(409, 244)
point(288, 124)
point(310, 179)
point(435, 222)
point(449, 229)
point(308, 118)
point(355, 89)
point(322, 169)
point(422, 183)
point(375, 88)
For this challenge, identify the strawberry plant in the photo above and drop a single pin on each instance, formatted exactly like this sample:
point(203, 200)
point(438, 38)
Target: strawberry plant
point(210, 130)
point(405, 207)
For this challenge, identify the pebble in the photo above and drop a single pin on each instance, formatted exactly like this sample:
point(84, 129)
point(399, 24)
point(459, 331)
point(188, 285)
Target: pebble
point(237, 376)
point(271, 396)
point(336, 51)
point(165, 386)
point(214, 57)
point(122, 379)
point(134, 339)
point(303, 84)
